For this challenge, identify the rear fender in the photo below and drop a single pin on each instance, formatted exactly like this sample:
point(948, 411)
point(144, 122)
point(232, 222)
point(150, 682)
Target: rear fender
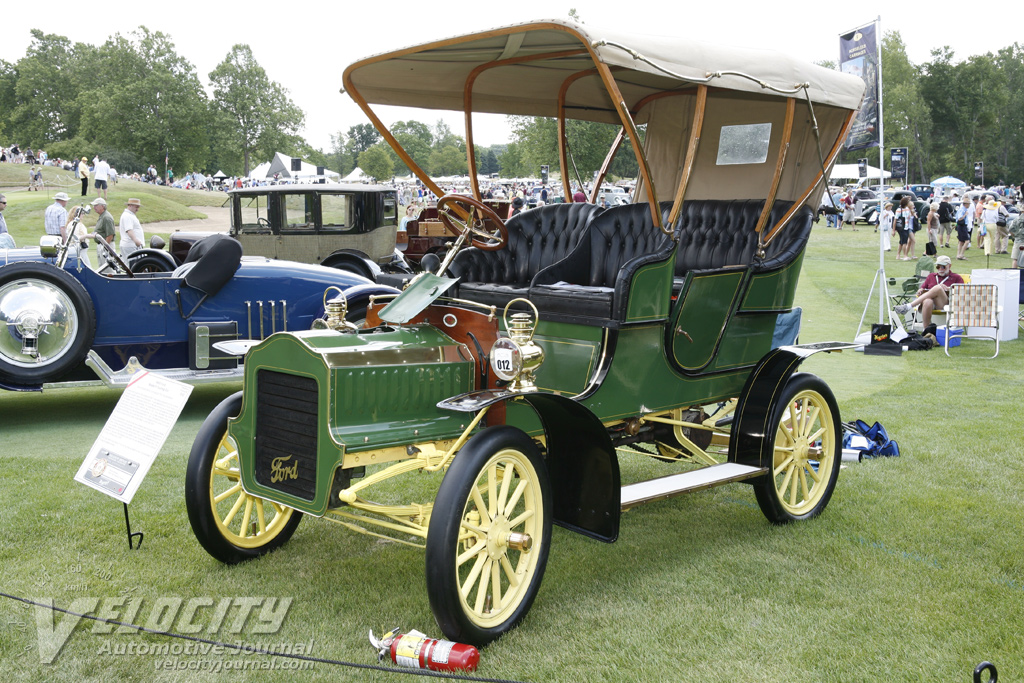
point(755, 415)
point(354, 262)
point(580, 459)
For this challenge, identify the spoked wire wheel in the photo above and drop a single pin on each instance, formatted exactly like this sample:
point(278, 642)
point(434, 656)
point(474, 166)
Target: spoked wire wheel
point(228, 522)
point(487, 544)
point(243, 520)
point(805, 461)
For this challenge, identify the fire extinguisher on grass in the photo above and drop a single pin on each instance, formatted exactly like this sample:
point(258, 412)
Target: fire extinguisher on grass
point(416, 651)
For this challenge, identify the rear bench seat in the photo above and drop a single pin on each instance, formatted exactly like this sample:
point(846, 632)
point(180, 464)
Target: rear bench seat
point(536, 239)
point(716, 234)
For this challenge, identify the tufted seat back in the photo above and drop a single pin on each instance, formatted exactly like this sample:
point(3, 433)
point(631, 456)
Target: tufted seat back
point(594, 280)
point(619, 236)
point(716, 233)
point(536, 239)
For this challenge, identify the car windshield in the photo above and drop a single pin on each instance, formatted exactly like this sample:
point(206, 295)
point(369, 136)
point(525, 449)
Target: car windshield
point(253, 209)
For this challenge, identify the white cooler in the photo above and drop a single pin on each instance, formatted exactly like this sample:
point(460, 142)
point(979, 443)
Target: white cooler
point(1007, 282)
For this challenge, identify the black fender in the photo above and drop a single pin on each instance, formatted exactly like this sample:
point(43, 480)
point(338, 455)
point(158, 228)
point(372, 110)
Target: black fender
point(359, 295)
point(580, 459)
point(156, 253)
point(752, 440)
point(353, 261)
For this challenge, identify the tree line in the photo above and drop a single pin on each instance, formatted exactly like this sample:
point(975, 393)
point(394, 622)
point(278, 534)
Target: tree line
point(951, 113)
point(135, 101)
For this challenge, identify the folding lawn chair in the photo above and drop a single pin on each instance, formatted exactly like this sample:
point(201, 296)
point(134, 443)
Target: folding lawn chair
point(972, 306)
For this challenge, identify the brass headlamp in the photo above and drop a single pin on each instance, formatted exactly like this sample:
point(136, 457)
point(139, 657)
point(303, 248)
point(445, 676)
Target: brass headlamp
point(515, 358)
point(335, 310)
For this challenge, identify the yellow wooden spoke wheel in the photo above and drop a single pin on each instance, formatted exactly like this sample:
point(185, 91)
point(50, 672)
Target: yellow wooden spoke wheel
point(488, 539)
point(806, 456)
point(229, 523)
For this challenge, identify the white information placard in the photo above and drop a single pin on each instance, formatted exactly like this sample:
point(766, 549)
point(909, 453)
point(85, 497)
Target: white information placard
point(133, 436)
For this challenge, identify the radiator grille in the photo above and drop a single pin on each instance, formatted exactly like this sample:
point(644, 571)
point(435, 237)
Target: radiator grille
point(286, 433)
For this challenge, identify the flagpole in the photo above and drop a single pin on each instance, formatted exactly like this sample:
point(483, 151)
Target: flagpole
point(883, 292)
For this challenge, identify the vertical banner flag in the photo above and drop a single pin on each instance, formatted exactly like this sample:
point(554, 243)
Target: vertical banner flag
point(858, 55)
point(898, 162)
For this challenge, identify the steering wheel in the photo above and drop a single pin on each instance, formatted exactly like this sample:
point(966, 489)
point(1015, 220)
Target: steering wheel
point(113, 258)
point(263, 222)
point(479, 217)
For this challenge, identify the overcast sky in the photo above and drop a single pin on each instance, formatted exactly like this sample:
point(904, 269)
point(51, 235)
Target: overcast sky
point(305, 46)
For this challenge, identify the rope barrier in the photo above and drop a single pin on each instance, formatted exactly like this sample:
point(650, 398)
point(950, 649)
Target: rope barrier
point(248, 649)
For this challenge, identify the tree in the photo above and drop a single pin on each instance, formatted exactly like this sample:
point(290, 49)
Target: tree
point(511, 161)
point(416, 139)
point(46, 90)
point(376, 162)
point(340, 158)
point(362, 137)
point(964, 99)
point(158, 107)
point(260, 109)
point(448, 160)
point(906, 117)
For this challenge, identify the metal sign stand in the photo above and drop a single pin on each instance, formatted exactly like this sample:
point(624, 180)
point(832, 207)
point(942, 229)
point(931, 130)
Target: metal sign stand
point(128, 526)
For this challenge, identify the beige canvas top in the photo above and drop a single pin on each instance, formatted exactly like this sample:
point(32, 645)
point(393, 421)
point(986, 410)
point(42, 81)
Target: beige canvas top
point(434, 75)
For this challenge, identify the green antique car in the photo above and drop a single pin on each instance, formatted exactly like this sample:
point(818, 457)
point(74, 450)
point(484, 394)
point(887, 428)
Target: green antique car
point(546, 346)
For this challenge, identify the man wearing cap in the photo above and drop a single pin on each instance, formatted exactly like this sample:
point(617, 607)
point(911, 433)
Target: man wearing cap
point(105, 228)
point(55, 219)
point(83, 175)
point(934, 293)
point(130, 228)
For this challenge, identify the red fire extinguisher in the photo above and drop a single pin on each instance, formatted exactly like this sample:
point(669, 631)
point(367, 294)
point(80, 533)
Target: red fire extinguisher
point(416, 651)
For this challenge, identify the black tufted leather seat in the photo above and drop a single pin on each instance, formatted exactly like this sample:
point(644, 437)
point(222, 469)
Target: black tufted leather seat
point(593, 281)
point(536, 239)
point(714, 234)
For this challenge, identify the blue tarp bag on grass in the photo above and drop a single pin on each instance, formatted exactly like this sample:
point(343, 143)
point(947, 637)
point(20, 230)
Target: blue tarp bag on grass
point(872, 441)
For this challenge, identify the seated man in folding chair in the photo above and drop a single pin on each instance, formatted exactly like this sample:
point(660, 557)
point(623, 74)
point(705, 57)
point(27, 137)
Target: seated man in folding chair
point(934, 292)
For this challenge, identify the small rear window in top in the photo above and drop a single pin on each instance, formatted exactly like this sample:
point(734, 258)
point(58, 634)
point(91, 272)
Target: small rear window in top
point(745, 144)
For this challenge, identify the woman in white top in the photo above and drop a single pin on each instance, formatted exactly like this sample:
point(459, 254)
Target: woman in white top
point(885, 226)
point(989, 216)
point(130, 228)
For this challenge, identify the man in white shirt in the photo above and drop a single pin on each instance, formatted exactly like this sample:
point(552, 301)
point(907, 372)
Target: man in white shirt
point(100, 175)
point(55, 219)
point(130, 228)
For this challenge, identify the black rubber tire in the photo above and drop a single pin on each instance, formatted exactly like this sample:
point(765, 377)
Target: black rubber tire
point(803, 387)
point(148, 263)
point(454, 501)
point(85, 319)
point(198, 494)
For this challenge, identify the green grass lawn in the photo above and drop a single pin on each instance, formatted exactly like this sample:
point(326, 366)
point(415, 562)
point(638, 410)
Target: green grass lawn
point(24, 213)
point(914, 572)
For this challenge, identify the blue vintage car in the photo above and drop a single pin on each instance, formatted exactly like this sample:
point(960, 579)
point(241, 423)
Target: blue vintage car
point(61, 321)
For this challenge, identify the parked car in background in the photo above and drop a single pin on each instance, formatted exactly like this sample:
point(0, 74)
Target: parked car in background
point(923, 192)
point(61, 321)
point(352, 227)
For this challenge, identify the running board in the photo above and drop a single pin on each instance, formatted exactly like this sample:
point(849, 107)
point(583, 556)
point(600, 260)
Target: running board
point(106, 376)
point(695, 480)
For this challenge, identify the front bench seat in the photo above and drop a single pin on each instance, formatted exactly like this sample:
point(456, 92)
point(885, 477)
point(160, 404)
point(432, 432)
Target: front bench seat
point(594, 280)
point(536, 239)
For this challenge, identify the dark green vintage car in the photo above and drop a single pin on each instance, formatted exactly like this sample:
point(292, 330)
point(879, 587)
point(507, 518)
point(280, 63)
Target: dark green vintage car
point(545, 347)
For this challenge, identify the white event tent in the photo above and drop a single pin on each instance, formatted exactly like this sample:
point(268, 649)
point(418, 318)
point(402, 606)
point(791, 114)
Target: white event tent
point(852, 172)
point(282, 165)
